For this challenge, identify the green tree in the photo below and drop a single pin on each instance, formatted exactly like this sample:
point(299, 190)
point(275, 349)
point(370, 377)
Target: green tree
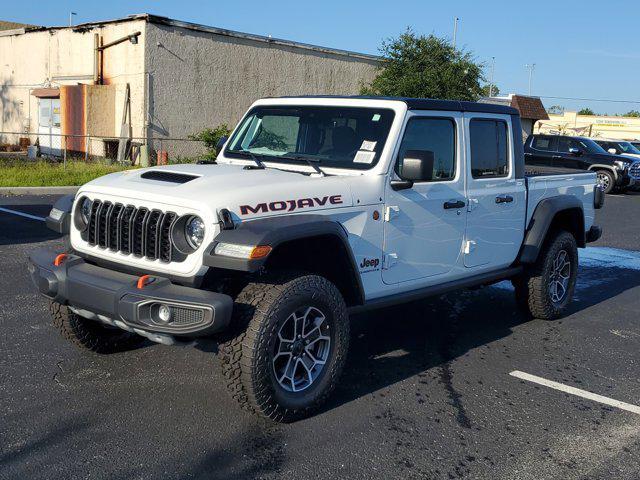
point(426, 67)
point(556, 109)
point(486, 90)
point(632, 113)
point(586, 111)
point(210, 137)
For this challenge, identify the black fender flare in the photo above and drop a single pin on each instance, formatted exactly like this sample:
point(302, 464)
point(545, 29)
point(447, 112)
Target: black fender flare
point(61, 223)
point(541, 220)
point(598, 166)
point(274, 231)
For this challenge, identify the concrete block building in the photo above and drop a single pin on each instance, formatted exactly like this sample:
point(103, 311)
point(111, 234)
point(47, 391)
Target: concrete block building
point(152, 78)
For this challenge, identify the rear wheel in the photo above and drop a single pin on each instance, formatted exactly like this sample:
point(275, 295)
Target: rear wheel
point(606, 180)
point(91, 335)
point(547, 288)
point(290, 345)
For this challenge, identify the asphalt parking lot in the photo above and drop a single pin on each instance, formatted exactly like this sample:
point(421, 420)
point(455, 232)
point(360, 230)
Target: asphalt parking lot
point(428, 391)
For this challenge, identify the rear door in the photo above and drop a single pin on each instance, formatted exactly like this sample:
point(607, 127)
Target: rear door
point(497, 199)
point(540, 150)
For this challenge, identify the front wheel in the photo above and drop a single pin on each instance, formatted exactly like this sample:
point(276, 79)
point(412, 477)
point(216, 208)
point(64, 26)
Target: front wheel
point(546, 289)
point(606, 181)
point(290, 345)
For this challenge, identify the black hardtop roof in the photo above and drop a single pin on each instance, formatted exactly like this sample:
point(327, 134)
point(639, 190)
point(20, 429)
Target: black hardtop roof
point(430, 104)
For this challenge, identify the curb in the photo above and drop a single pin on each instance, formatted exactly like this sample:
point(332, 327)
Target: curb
point(37, 190)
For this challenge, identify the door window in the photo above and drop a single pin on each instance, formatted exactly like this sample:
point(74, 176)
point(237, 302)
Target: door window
point(489, 148)
point(437, 135)
point(545, 144)
point(564, 144)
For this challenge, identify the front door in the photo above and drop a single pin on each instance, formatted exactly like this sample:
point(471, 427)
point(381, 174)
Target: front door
point(569, 155)
point(49, 126)
point(424, 225)
point(497, 199)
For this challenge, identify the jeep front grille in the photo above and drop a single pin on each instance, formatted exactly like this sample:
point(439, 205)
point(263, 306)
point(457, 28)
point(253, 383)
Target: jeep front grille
point(634, 171)
point(127, 229)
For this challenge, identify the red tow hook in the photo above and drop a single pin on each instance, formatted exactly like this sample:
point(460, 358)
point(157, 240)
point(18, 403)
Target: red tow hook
point(60, 259)
point(144, 280)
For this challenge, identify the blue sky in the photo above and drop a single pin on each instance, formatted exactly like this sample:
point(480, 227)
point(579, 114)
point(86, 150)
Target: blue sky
point(579, 50)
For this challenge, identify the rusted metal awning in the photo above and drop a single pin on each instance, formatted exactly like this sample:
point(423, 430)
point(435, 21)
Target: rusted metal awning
point(46, 92)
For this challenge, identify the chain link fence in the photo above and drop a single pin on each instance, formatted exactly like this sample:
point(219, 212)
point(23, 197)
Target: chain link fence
point(90, 148)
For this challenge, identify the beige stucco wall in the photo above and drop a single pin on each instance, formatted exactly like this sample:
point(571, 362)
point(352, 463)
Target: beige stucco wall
point(65, 57)
point(186, 80)
point(570, 123)
point(199, 79)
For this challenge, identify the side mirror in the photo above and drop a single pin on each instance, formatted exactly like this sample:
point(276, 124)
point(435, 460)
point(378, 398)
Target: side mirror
point(575, 151)
point(221, 141)
point(417, 166)
point(612, 151)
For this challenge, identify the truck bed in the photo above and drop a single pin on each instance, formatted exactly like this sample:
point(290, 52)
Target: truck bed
point(550, 184)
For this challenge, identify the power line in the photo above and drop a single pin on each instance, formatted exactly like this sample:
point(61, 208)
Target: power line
point(591, 99)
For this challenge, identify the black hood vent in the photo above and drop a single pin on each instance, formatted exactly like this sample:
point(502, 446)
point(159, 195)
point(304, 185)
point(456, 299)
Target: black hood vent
point(171, 177)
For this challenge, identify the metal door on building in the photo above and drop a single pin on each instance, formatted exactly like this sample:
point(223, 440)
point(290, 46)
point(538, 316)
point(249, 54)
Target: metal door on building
point(51, 142)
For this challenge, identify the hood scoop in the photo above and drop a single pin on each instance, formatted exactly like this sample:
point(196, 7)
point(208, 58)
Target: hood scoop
point(170, 177)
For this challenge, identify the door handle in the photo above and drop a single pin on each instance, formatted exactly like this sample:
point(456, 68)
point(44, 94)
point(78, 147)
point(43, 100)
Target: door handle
point(451, 204)
point(504, 199)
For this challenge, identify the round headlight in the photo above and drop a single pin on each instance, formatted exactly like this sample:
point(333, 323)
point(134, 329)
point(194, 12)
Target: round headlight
point(194, 232)
point(85, 210)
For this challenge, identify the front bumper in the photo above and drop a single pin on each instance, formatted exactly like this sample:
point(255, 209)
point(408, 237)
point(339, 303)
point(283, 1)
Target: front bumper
point(114, 298)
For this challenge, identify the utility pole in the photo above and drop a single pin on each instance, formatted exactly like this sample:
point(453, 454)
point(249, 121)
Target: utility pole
point(493, 69)
point(531, 67)
point(455, 30)
point(71, 15)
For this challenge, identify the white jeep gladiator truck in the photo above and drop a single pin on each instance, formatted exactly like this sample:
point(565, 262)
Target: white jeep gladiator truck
point(317, 207)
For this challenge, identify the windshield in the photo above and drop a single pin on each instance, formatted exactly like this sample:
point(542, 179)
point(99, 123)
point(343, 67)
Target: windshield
point(590, 146)
point(626, 147)
point(338, 137)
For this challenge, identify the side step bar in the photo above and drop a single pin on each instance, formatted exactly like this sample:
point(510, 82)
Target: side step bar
point(434, 290)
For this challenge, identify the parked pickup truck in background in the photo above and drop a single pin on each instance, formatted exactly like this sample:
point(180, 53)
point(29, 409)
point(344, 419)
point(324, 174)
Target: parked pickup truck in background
point(563, 154)
point(318, 207)
point(628, 152)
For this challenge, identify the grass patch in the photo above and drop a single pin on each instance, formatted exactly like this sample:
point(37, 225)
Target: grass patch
point(29, 173)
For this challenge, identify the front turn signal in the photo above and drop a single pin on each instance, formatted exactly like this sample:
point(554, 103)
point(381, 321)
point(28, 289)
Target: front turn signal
point(260, 251)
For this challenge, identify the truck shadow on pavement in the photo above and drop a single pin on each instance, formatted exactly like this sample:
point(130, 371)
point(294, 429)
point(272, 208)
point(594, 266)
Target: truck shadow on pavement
point(397, 343)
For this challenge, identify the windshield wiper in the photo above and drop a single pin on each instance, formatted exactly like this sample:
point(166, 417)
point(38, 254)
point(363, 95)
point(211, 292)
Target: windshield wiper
point(311, 161)
point(251, 155)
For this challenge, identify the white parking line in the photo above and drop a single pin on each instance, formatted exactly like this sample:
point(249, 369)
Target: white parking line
point(21, 214)
point(576, 391)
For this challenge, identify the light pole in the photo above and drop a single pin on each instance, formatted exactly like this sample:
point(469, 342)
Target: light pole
point(71, 15)
point(455, 30)
point(531, 67)
point(493, 69)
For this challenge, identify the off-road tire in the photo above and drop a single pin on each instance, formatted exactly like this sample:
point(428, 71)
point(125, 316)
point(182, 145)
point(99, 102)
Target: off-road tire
point(246, 354)
point(532, 289)
point(89, 334)
point(609, 184)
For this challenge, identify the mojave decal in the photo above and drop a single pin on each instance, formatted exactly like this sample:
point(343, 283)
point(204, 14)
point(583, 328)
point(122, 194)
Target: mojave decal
point(291, 205)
